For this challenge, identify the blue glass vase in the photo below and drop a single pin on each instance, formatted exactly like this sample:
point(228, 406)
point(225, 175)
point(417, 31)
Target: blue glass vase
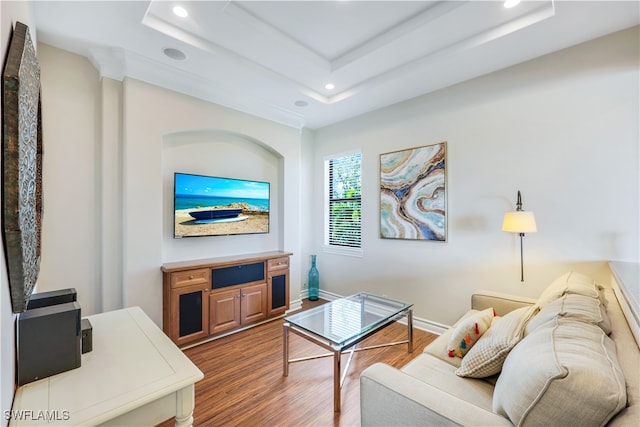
point(314, 280)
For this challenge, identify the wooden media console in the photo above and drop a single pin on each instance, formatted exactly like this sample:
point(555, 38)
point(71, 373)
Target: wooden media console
point(207, 297)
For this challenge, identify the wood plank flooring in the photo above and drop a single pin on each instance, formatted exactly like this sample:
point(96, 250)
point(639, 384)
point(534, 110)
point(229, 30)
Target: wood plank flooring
point(243, 383)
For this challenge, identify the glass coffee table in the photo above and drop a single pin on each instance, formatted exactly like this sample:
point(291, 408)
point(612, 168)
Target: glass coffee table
point(340, 325)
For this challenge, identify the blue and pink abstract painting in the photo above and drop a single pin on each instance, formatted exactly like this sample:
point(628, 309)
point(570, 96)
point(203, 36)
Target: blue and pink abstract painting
point(413, 197)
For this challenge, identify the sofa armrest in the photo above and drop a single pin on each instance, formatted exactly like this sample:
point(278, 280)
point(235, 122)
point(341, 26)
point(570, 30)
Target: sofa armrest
point(388, 397)
point(502, 303)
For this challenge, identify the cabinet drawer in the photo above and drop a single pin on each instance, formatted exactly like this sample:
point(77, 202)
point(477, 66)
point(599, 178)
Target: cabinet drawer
point(189, 277)
point(278, 264)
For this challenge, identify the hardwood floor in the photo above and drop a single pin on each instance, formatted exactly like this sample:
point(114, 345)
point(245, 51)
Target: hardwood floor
point(243, 383)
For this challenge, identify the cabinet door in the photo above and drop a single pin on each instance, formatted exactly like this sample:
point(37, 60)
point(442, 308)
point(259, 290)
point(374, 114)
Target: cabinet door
point(189, 311)
point(224, 310)
point(254, 303)
point(278, 292)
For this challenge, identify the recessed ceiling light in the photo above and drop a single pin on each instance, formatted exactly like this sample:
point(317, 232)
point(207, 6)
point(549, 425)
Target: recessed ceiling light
point(180, 11)
point(176, 54)
point(301, 103)
point(511, 3)
point(329, 86)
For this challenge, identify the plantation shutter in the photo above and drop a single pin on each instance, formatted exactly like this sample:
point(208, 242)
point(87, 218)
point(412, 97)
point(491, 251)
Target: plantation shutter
point(345, 201)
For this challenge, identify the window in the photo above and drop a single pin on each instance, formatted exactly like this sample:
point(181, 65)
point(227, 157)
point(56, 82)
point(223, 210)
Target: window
point(344, 213)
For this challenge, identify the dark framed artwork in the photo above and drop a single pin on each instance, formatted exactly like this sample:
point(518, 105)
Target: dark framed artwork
point(413, 193)
point(21, 166)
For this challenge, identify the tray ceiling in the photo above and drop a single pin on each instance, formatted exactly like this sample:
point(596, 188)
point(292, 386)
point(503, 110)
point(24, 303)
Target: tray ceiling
point(274, 59)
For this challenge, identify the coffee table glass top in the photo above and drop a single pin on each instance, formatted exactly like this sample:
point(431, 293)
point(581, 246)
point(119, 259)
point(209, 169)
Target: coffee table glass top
point(345, 319)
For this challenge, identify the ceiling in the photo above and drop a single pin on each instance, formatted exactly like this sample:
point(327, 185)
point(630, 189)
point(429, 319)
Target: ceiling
point(273, 59)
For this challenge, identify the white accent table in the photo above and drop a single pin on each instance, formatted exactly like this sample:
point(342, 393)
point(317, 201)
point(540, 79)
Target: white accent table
point(134, 376)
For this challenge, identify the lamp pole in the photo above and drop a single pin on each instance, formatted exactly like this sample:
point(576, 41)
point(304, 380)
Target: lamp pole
point(518, 209)
point(521, 259)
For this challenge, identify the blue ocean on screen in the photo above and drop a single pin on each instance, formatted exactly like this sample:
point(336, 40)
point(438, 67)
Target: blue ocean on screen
point(186, 201)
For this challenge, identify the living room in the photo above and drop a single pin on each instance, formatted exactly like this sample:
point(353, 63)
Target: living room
point(562, 128)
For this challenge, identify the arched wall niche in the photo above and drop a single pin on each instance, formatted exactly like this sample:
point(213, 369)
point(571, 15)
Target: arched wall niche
point(218, 152)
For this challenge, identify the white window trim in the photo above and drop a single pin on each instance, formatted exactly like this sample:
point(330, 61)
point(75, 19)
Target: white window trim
point(342, 250)
point(326, 247)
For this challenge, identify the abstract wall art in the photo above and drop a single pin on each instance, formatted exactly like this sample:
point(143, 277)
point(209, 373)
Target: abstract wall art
point(413, 194)
point(21, 166)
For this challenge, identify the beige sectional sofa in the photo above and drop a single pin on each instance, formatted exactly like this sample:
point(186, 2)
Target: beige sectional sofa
point(567, 358)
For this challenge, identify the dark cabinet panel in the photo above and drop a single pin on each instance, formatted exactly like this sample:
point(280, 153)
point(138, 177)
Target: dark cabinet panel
point(236, 275)
point(189, 316)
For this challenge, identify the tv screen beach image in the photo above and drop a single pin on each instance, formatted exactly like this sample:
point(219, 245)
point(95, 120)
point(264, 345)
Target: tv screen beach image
point(214, 206)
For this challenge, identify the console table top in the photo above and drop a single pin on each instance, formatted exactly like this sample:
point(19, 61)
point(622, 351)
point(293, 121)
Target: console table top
point(132, 363)
point(221, 261)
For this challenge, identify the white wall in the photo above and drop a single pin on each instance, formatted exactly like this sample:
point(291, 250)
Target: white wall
point(307, 196)
point(218, 154)
point(70, 177)
point(10, 13)
point(563, 129)
point(110, 152)
point(151, 115)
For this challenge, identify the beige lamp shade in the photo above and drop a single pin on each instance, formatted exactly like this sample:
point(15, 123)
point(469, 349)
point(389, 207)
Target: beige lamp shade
point(519, 222)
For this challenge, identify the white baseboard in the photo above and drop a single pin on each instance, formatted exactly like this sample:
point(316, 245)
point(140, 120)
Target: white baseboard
point(295, 305)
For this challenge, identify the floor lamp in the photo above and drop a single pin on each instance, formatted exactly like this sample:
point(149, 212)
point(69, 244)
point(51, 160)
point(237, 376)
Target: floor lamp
point(520, 222)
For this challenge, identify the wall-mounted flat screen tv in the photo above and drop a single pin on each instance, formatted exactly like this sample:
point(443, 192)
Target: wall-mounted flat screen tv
point(216, 206)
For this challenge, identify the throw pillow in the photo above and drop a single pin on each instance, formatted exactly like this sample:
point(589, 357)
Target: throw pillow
point(569, 283)
point(468, 332)
point(488, 354)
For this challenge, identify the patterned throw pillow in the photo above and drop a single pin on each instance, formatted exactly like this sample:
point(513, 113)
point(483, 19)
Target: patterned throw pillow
point(468, 332)
point(488, 355)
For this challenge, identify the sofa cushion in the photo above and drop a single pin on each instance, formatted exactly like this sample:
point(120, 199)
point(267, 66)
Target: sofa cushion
point(569, 283)
point(441, 375)
point(579, 307)
point(467, 333)
point(565, 372)
point(488, 354)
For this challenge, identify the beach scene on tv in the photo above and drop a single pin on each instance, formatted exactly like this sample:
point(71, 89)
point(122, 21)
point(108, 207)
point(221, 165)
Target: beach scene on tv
point(214, 206)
